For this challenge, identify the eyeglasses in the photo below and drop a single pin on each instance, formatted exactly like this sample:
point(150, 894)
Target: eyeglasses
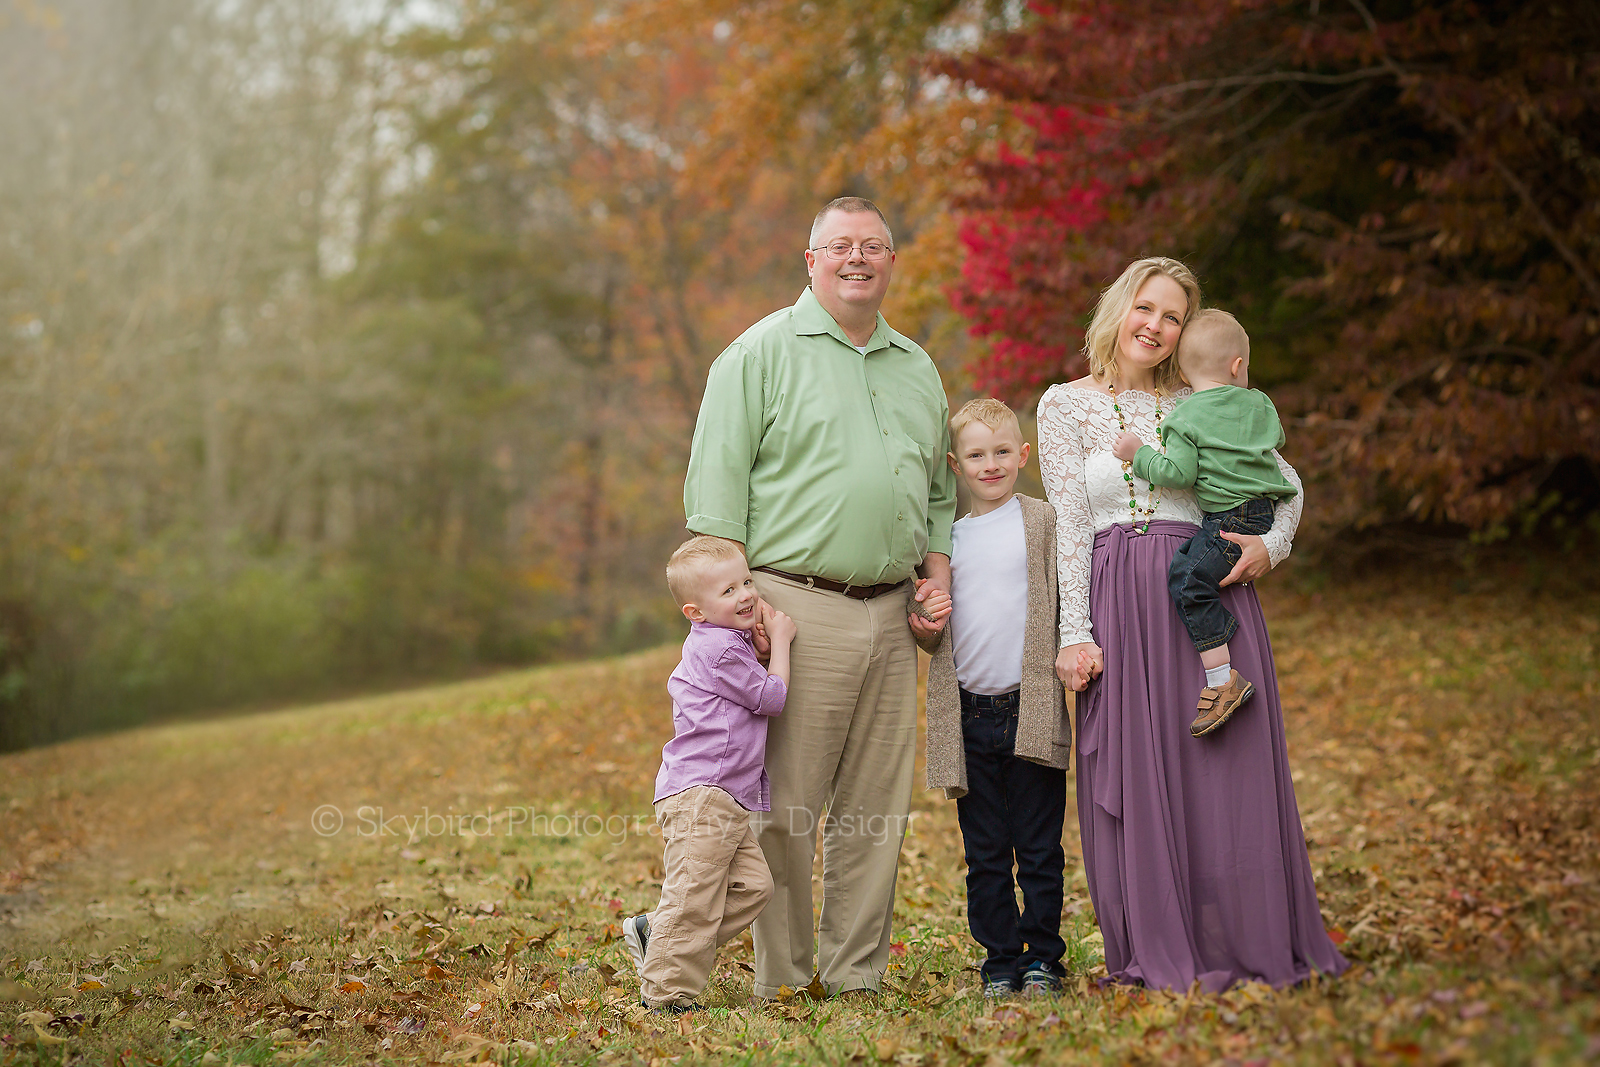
point(871, 250)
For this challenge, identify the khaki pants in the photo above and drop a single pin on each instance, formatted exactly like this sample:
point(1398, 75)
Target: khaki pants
point(714, 883)
point(846, 741)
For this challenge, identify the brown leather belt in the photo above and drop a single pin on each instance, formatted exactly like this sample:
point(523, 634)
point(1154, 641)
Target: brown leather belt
point(854, 592)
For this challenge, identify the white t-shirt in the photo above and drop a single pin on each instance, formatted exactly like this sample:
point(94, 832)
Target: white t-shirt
point(989, 589)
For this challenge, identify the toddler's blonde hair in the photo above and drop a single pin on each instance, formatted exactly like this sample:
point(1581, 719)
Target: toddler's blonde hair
point(690, 560)
point(1211, 341)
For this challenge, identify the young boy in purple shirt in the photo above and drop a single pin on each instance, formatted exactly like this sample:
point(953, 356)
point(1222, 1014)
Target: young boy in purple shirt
point(713, 773)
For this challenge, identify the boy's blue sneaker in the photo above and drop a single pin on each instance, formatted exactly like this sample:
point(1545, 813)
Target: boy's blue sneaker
point(1039, 981)
point(636, 935)
point(999, 988)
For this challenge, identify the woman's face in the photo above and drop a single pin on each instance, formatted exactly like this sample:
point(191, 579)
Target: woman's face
point(1150, 332)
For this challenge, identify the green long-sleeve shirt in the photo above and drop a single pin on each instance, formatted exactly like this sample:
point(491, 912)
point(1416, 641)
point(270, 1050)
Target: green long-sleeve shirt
point(823, 460)
point(1220, 441)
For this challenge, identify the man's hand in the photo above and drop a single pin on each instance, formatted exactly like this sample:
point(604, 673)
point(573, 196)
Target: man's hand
point(759, 635)
point(933, 600)
point(1127, 446)
point(935, 571)
point(1078, 665)
point(1253, 559)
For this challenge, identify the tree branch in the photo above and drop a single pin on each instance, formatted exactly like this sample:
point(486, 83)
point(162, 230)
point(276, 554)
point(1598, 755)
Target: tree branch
point(1459, 125)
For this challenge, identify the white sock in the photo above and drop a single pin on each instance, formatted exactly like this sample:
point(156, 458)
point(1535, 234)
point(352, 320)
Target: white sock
point(1217, 677)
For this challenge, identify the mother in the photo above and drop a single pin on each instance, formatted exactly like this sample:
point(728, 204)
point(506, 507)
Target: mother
point(1193, 849)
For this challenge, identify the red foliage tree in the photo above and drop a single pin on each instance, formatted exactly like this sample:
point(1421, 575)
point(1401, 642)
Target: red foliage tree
point(1402, 205)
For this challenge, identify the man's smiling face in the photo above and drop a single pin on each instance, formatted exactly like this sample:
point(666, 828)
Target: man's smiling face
point(853, 282)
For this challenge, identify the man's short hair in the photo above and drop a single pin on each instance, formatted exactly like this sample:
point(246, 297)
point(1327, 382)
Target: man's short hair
point(690, 560)
point(989, 411)
point(850, 205)
point(1211, 341)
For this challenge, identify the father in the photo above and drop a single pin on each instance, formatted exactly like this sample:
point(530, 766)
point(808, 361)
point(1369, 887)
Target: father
point(820, 447)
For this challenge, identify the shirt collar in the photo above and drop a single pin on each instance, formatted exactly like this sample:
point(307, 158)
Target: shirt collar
point(726, 633)
point(811, 319)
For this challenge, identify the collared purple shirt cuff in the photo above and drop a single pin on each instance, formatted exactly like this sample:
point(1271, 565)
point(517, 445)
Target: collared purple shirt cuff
point(773, 694)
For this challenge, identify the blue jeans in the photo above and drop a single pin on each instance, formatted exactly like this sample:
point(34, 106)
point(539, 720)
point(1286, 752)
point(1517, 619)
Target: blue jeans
point(1199, 566)
point(1013, 811)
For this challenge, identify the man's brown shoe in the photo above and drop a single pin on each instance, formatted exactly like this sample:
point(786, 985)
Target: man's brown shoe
point(1218, 705)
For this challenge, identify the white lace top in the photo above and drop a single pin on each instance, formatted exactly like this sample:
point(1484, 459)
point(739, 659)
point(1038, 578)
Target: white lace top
point(1083, 480)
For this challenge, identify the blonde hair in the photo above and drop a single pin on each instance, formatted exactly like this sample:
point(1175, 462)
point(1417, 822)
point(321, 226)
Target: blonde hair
point(1100, 340)
point(1210, 342)
point(992, 413)
point(690, 560)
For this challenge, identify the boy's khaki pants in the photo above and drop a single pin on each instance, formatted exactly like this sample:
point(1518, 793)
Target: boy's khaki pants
point(715, 882)
point(846, 741)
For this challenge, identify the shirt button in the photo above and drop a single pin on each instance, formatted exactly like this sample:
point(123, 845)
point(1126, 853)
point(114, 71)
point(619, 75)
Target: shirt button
point(897, 470)
point(900, 516)
point(886, 433)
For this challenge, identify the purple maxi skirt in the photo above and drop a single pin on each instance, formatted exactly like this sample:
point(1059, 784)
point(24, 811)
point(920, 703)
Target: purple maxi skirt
point(1193, 849)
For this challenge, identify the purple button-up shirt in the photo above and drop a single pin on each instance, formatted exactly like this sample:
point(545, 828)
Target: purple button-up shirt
point(721, 698)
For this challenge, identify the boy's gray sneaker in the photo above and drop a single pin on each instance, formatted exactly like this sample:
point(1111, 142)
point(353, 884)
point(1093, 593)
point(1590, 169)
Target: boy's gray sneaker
point(675, 1008)
point(1040, 982)
point(636, 936)
point(999, 988)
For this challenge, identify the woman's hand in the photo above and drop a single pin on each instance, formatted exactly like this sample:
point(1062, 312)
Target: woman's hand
point(1078, 665)
point(1253, 559)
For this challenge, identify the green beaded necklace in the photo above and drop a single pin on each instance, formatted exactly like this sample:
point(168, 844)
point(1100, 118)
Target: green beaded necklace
point(1134, 510)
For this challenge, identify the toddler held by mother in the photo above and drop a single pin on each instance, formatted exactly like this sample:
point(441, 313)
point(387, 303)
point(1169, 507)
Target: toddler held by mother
point(1195, 857)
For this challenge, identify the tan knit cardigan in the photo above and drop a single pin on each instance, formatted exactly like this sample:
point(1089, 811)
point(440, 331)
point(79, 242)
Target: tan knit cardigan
point(1044, 728)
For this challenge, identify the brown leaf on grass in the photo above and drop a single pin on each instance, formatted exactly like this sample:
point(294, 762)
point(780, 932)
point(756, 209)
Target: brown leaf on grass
point(540, 941)
point(10, 990)
point(354, 985)
point(816, 990)
point(435, 973)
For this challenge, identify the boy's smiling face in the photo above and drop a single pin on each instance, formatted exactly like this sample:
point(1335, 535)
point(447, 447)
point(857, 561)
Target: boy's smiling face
point(725, 595)
point(988, 461)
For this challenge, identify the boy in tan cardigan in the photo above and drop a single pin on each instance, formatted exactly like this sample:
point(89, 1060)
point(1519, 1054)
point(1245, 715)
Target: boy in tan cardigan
point(998, 732)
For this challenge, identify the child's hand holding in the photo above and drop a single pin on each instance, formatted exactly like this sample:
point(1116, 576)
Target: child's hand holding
point(927, 616)
point(1078, 665)
point(779, 627)
point(1127, 445)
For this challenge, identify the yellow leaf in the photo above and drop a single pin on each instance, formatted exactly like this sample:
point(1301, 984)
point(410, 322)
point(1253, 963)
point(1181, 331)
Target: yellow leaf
point(47, 1039)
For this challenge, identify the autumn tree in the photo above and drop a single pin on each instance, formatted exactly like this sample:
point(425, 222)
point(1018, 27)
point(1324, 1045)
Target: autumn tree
point(1402, 204)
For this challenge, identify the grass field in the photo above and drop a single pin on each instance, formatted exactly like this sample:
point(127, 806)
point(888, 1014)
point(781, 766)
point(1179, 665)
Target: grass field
point(438, 875)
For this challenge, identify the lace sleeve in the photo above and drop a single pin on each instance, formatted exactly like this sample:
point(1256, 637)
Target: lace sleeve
point(1061, 456)
point(1285, 515)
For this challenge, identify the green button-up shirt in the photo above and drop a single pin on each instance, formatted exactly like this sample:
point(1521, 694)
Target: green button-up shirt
point(822, 460)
